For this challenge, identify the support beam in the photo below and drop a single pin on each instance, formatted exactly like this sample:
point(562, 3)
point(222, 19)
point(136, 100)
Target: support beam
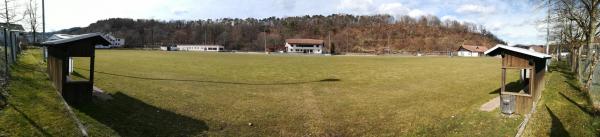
point(503, 87)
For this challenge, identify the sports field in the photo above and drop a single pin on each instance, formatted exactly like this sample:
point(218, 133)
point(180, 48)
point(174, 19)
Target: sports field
point(160, 93)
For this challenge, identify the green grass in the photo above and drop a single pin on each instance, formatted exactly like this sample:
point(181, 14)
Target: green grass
point(34, 109)
point(564, 109)
point(217, 94)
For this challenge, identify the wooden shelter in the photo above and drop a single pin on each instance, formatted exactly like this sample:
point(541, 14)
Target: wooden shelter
point(59, 52)
point(529, 88)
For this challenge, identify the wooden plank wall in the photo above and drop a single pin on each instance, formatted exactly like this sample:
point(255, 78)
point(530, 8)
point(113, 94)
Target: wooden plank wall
point(523, 104)
point(54, 68)
point(511, 60)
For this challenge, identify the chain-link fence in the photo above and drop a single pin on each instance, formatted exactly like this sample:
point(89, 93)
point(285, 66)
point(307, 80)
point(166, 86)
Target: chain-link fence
point(585, 62)
point(10, 47)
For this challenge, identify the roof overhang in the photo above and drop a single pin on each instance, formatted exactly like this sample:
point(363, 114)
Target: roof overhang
point(95, 38)
point(496, 51)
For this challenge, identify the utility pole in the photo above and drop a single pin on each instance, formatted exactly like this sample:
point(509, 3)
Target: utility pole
point(548, 36)
point(265, 36)
point(6, 33)
point(44, 52)
point(329, 39)
point(265, 41)
point(43, 21)
point(388, 43)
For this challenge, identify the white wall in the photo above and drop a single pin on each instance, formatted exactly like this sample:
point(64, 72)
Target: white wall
point(316, 49)
point(468, 54)
point(214, 48)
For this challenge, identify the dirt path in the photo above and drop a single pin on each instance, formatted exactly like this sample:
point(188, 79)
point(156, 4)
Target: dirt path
point(490, 105)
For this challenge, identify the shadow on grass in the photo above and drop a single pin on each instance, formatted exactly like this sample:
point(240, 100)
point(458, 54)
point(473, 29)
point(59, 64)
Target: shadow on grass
point(217, 82)
point(30, 121)
point(557, 129)
point(131, 117)
point(514, 86)
point(78, 75)
point(582, 108)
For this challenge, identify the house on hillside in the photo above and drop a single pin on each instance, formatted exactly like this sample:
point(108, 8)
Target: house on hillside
point(307, 46)
point(471, 51)
point(189, 47)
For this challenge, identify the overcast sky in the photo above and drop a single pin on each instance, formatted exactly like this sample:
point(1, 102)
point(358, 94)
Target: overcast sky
point(513, 21)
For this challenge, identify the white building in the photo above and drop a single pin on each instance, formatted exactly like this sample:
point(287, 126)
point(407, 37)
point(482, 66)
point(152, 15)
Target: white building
point(471, 51)
point(114, 42)
point(308, 46)
point(182, 47)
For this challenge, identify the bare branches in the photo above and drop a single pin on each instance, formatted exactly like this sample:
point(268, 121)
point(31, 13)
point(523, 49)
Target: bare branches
point(32, 17)
point(11, 11)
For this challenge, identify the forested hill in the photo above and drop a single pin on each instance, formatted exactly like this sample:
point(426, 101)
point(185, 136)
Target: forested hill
point(348, 33)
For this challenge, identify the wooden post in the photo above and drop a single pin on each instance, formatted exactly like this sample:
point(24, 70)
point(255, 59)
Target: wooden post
point(92, 58)
point(503, 82)
point(65, 72)
point(502, 88)
point(532, 83)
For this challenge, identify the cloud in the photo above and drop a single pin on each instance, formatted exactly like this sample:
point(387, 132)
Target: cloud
point(449, 17)
point(180, 12)
point(475, 9)
point(393, 9)
point(357, 6)
point(397, 9)
point(287, 5)
point(417, 13)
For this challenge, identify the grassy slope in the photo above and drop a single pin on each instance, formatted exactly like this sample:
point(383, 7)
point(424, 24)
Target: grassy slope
point(35, 108)
point(563, 109)
point(219, 94)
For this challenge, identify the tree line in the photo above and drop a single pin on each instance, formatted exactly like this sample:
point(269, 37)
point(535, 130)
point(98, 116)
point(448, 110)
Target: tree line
point(573, 28)
point(347, 33)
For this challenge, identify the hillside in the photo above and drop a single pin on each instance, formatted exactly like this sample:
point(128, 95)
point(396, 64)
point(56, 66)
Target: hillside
point(347, 33)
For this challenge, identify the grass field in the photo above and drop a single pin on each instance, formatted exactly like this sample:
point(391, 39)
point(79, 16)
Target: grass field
point(35, 108)
point(341, 98)
point(563, 110)
point(219, 94)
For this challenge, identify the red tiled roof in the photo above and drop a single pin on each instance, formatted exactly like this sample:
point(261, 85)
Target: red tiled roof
point(304, 41)
point(474, 48)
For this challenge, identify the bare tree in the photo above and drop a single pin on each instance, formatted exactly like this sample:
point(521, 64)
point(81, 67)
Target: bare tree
point(32, 17)
point(11, 15)
point(584, 14)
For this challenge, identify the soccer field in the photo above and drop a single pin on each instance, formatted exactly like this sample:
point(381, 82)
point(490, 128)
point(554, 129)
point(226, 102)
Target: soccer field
point(159, 93)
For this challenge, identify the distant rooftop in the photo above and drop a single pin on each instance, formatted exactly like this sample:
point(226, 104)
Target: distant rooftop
point(13, 27)
point(304, 41)
point(475, 48)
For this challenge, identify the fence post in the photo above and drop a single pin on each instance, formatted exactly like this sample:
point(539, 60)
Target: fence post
point(6, 53)
point(13, 47)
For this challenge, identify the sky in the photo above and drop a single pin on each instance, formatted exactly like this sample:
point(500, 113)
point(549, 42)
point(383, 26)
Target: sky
point(514, 21)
